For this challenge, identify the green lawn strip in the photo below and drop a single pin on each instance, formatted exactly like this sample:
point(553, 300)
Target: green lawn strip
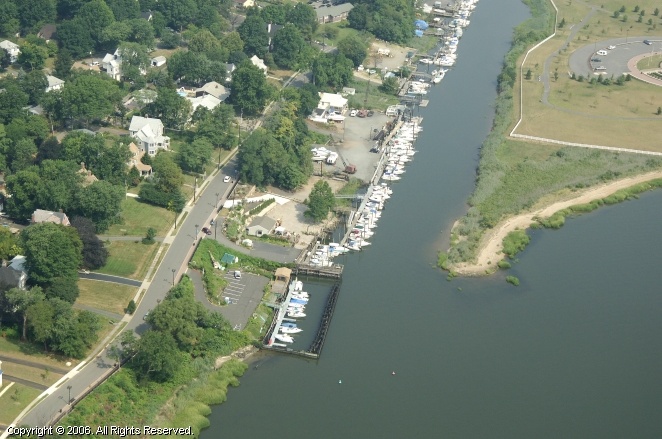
point(343, 30)
point(351, 188)
point(105, 295)
point(161, 256)
point(15, 400)
point(259, 321)
point(137, 217)
point(129, 259)
point(39, 375)
point(376, 100)
point(14, 348)
point(650, 62)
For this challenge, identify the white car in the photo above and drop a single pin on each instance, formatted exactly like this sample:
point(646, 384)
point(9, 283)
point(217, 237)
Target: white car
point(601, 68)
point(353, 113)
point(226, 179)
point(611, 47)
point(602, 52)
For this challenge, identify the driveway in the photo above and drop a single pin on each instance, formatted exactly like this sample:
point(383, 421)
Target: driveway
point(110, 278)
point(616, 61)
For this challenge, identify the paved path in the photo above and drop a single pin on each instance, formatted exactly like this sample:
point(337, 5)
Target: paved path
point(111, 315)
point(24, 382)
point(126, 238)
point(110, 278)
point(264, 250)
point(29, 363)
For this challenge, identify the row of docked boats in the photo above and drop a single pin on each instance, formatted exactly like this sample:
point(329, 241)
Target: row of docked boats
point(296, 304)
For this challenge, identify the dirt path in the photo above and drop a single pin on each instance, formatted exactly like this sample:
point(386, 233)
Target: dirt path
point(489, 252)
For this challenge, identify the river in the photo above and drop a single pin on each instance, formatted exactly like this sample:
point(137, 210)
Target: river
point(574, 351)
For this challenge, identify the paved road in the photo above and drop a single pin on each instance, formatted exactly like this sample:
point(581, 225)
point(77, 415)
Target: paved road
point(33, 364)
point(24, 382)
point(176, 258)
point(110, 278)
point(272, 252)
point(616, 62)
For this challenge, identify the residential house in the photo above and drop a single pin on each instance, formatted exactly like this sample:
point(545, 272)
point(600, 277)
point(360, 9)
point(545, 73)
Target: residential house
point(47, 32)
point(329, 104)
point(214, 89)
point(54, 83)
point(229, 68)
point(46, 216)
point(147, 15)
point(327, 13)
point(208, 101)
point(12, 49)
point(112, 64)
point(135, 161)
point(261, 225)
point(13, 275)
point(149, 133)
point(159, 61)
point(138, 99)
point(88, 177)
point(259, 63)
point(244, 4)
point(271, 31)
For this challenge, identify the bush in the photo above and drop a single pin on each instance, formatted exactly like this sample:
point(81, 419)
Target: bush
point(171, 201)
point(131, 307)
point(512, 280)
point(504, 265)
point(442, 261)
point(515, 242)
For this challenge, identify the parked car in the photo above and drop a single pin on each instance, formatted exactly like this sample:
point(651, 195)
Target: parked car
point(237, 274)
point(370, 113)
point(601, 68)
point(647, 42)
point(226, 179)
point(602, 52)
point(145, 316)
point(611, 47)
point(362, 113)
point(206, 231)
point(596, 59)
point(353, 112)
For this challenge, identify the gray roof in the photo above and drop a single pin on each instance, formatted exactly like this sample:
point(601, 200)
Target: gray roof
point(53, 81)
point(45, 216)
point(263, 221)
point(215, 89)
point(334, 10)
point(139, 122)
point(9, 277)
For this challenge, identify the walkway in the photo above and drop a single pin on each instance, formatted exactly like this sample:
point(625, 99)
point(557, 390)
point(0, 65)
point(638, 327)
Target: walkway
point(264, 250)
point(110, 278)
point(29, 363)
point(24, 382)
point(108, 314)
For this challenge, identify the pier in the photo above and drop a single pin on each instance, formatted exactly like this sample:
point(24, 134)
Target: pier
point(333, 271)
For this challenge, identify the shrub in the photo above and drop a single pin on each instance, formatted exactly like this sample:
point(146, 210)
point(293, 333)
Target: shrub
point(131, 307)
point(512, 280)
point(504, 265)
point(442, 261)
point(515, 242)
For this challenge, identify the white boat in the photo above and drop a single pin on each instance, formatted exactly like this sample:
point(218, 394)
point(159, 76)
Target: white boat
point(284, 338)
point(288, 325)
point(390, 177)
point(300, 294)
point(289, 330)
point(298, 285)
point(296, 314)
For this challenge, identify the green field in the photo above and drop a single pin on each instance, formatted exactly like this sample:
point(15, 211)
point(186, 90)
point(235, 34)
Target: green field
point(14, 401)
point(137, 217)
point(129, 259)
point(376, 99)
point(105, 295)
point(37, 375)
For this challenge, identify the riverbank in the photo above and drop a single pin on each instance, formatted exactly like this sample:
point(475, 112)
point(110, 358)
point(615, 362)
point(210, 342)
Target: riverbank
point(491, 246)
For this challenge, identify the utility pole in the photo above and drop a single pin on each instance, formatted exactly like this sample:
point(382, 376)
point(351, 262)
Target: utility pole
point(173, 277)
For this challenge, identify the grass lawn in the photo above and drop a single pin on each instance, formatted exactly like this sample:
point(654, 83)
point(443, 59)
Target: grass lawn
point(424, 44)
point(650, 62)
point(14, 401)
point(104, 295)
point(377, 100)
point(33, 374)
point(138, 217)
point(129, 259)
point(31, 352)
point(343, 30)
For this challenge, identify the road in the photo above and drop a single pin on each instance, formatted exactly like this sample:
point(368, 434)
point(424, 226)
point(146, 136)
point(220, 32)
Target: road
point(174, 263)
point(110, 278)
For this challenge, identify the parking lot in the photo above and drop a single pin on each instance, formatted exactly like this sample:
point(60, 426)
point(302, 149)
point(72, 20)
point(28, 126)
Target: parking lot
point(242, 297)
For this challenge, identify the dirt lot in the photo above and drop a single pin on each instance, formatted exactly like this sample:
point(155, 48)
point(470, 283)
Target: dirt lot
point(396, 59)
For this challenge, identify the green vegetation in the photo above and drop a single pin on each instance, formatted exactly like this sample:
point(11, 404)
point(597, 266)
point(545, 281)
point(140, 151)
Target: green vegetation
point(39, 375)
point(260, 207)
point(320, 202)
point(129, 259)
point(369, 96)
point(259, 321)
point(512, 280)
point(515, 242)
point(137, 217)
point(104, 295)
point(503, 264)
point(15, 400)
point(442, 261)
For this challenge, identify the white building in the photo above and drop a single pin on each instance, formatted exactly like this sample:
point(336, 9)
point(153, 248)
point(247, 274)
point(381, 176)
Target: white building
point(54, 83)
point(208, 101)
point(259, 63)
point(159, 61)
point(330, 106)
point(12, 49)
point(149, 134)
point(112, 64)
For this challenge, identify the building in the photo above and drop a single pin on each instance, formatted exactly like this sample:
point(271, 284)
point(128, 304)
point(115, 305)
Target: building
point(46, 216)
point(261, 225)
point(88, 177)
point(271, 31)
point(244, 4)
point(135, 161)
point(13, 275)
point(149, 134)
point(54, 83)
point(259, 63)
point(327, 13)
point(147, 15)
point(208, 101)
point(47, 32)
point(213, 89)
point(158, 61)
point(229, 68)
point(330, 104)
point(12, 49)
point(112, 64)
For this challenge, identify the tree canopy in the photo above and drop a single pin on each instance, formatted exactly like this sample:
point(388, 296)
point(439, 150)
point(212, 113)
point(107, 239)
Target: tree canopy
point(320, 201)
point(51, 251)
point(250, 90)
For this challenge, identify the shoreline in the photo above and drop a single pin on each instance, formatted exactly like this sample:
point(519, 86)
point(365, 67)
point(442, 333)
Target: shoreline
point(491, 244)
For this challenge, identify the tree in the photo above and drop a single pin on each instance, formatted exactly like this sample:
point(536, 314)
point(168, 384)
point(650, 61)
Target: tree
point(9, 244)
point(63, 63)
point(390, 86)
point(320, 201)
point(194, 156)
point(9, 24)
point(304, 18)
point(331, 70)
point(170, 40)
point(124, 9)
point(75, 37)
point(354, 49)
point(232, 42)
point(308, 99)
point(169, 176)
point(216, 126)
point(250, 90)
point(528, 74)
point(14, 99)
point(34, 85)
point(5, 60)
point(253, 32)
point(60, 181)
point(178, 13)
point(32, 57)
point(142, 32)
point(135, 60)
point(203, 42)
point(20, 300)
point(95, 16)
point(288, 47)
point(20, 155)
point(171, 108)
point(149, 236)
point(562, 23)
point(32, 13)
point(94, 253)
point(51, 250)
point(24, 187)
point(64, 288)
point(31, 127)
point(90, 97)
point(40, 317)
point(100, 202)
point(158, 357)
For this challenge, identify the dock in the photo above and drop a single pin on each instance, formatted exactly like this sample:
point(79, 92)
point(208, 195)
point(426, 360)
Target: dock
point(333, 271)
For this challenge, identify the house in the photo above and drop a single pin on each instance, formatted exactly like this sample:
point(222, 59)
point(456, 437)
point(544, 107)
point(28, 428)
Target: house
point(46, 216)
point(328, 13)
point(271, 31)
point(259, 63)
point(138, 99)
point(147, 15)
point(208, 101)
point(330, 104)
point(244, 4)
point(159, 61)
point(54, 83)
point(149, 133)
point(229, 68)
point(348, 91)
point(261, 225)
point(12, 49)
point(14, 275)
point(88, 177)
point(47, 32)
point(135, 161)
point(214, 89)
point(112, 64)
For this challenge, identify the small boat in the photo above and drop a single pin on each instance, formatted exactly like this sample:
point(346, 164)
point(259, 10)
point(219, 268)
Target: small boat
point(288, 325)
point(296, 315)
point(287, 330)
point(298, 285)
point(284, 338)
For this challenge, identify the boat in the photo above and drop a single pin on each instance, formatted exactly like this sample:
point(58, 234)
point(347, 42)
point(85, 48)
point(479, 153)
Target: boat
point(290, 330)
point(296, 314)
point(288, 325)
point(297, 301)
point(298, 285)
point(284, 338)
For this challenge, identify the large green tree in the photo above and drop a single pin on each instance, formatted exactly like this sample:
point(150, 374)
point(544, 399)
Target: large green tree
point(288, 45)
point(33, 13)
point(32, 57)
point(178, 13)
point(194, 156)
point(95, 254)
point(216, 126)
point(24, 188)
point(60, 181)
point(170, 107)
point(51, 251)
point(253, 32)
point(158, 356)
point(320, 201)
point(354, 48)
point(63, 64)
point(20, 300)
point(250, 90)
point(304, 17)
point(101, 202)
point(75, 37)
point(9, 18)
point(124, 9)
point(332, 70)
point(135, 60)
point(90, 97)
point(95, 15)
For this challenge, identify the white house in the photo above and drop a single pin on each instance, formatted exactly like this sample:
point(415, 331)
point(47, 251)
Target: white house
point(14, 275)
point(159, 61)
point(208, 101)
point(54, 83)
point(12, 49)
point(149, 134)
point(330, 104)
point(259, 63)
point(112, 64)
point(229, 68)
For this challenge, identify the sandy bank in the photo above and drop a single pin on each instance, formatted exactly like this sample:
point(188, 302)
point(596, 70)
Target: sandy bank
point(489, 252)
